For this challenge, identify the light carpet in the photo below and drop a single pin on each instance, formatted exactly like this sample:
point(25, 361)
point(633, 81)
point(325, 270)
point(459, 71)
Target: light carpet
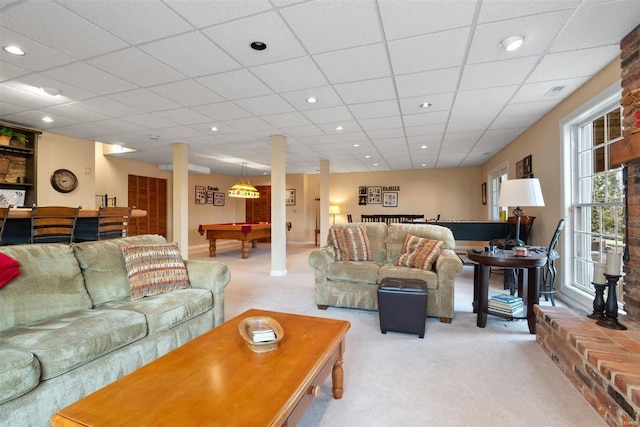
point(458, 375)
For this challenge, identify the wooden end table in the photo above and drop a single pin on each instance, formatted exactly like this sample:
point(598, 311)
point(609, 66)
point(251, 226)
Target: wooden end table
point(216, 379)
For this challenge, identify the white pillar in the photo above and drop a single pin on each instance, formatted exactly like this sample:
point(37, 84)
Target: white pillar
point(180, 197)
point(324, 201)
point(278, 208)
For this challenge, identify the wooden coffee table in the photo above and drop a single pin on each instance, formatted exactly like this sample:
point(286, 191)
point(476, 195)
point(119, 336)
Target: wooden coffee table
point(217, 380)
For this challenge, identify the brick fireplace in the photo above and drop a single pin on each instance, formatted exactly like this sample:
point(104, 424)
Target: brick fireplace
point(604, 364)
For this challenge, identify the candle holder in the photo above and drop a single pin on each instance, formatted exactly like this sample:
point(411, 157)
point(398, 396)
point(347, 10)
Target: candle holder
point(610, 320)
point(598, 302)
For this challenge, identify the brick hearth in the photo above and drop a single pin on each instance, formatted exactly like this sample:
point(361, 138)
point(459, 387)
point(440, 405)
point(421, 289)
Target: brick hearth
point(603, 364)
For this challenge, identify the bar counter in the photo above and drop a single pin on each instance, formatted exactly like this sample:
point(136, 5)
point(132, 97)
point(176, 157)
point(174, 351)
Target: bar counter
point(17, 230)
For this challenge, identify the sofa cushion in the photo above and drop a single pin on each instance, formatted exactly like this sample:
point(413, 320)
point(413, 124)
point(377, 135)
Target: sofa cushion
point(389, 270)
point(65, 342)
point(376, 234)
point(19, 373)
point(396, 234)
point(419, 252)
point(154, 269)
point(164, 311)
point(50, 284)
point(353, 271)
point(103, 267)
point(352, 243)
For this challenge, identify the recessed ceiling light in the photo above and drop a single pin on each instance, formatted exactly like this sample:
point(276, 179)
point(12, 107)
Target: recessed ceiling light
point(339, 128)
point(214, 129)
point(375, 164)
point(512, 43)
point(14, 50)
point(258, 45)
point(47, 119)
point(356, 145)
point(154, 137)
point(424, 165)
point(367, 157)
point(423, 146)
point(311, 100)
point(52, 91)
point(425, 105)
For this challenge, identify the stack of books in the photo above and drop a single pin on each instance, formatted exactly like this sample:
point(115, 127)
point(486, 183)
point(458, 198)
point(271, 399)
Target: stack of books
point(263, 335)
point(506, 305)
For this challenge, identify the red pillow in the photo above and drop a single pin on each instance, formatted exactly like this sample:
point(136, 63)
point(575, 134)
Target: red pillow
point(9, 268)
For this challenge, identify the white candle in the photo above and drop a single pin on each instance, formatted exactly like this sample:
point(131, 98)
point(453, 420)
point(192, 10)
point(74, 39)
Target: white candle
point(614, 262)
point(598, 274)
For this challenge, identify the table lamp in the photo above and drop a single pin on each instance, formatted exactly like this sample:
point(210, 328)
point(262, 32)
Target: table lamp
point(520, 192)
point(333, 211)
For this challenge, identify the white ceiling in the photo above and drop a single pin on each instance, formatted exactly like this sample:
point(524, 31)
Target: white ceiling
point(129, 69)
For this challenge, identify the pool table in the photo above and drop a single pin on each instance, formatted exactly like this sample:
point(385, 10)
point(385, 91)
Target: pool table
point(245, 232)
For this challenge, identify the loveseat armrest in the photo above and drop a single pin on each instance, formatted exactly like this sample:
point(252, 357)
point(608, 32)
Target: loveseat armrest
point(213, 276)
point(448, 265)
point(320, 259)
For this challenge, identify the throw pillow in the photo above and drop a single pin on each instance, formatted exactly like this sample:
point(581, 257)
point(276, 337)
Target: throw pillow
point(9, 268)
point(154, 269)
point(419, 252)
point(351, 243)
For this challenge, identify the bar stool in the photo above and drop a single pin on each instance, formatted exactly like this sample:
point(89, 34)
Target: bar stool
point(53, 224)
point(113, 222)
point(4, 214)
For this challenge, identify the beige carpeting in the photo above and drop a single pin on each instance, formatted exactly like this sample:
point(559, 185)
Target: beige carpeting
point(458, 375)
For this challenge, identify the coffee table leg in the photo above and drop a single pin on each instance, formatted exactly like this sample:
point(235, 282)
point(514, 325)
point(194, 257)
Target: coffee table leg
point(337, 375)
point(483, 295)
point(212, 247)
point(533, 297)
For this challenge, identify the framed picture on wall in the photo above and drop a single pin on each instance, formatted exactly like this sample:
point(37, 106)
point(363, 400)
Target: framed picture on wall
point(483, 191)
point(218, 198)
point(374, 195)
point(201, 195)
point(390, 199)
point(209, 197)
point(290, 197)
point(527, 167)
point(520, 169)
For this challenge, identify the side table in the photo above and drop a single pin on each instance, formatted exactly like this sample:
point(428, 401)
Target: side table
point(532, 262)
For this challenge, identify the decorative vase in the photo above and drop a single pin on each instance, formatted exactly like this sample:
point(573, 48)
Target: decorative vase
point(5, 140)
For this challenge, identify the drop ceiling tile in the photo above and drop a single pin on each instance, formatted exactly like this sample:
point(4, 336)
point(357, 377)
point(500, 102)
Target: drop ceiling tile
point(133, 21)
point(10, 71)
point(284, 120)
point(248, 124)
point(538, 31)
point(358, 63)
point(386, 133)
point(37, 56)
point(294, 74)
point(372, 110)
point(25, 96)
point(480, 98)
point(431, 139)
point(428, 52)
point(7, 109)
point(302, 131)
point(184, 116)
point(529, 108)
point(625, 13)
point(428, 82)
point(235, 84)
point(144, 100)
point(500, 10)
point(435, 118)
point(573, 64)
point(205, 13)
point(187, 93)
point(237, 137)
point(137, 67)
point(542, 91)
point(108, 107)
point(351, 136)
point(410, 18)
point(58, 28)
point(347, 126)
point(150, 121)
point(366, 91)
point(74, 112)
point(36, 116)
point(511, 122)
point(90, 78)
point(186, 53)
point(266, 104)
point(425, 130)
point(381, 123)
point(475, 112)
point(222, 111)
point(328, 25)
point(38, 81)
point(235, 38)
point(326, 96)
point(468, 125)
point(498, 73)
point(439, 102)
point(328, 115)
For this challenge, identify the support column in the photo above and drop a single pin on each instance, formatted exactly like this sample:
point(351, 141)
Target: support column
point(181, 198)
point(278, 208)
point(324, 201)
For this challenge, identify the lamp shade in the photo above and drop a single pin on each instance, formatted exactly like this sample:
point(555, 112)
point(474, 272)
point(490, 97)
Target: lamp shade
point(334, 210)
point(521, 192)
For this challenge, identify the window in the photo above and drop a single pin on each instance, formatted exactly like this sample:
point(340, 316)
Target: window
point(496, 177)
point(593, 193)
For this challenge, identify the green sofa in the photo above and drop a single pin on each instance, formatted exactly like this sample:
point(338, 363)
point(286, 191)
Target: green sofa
point(354, 284)
point(68, 327)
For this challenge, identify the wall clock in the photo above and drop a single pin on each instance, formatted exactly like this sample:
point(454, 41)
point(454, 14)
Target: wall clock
point(64, 181)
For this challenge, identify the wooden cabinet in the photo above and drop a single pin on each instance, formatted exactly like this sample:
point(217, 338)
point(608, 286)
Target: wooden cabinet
point(18, 163)
point(149, 194)
point(259, 210)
